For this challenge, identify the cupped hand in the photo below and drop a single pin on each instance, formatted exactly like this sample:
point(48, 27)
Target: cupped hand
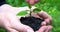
point(43, 15)
point(11, 22)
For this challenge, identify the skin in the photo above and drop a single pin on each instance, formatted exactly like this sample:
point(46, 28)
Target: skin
point(11, 22)
point(47, 18)
point(11, 26)
point(46, 24)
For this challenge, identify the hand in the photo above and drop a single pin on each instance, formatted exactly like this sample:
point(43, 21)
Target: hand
point(45, 29)
point(32, 1)
point(44, 26)
point(11, 22)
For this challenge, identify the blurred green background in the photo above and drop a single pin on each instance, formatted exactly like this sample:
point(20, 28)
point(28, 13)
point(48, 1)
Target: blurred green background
point(52, 7)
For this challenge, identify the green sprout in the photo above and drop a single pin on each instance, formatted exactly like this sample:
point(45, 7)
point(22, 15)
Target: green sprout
point(25, 11)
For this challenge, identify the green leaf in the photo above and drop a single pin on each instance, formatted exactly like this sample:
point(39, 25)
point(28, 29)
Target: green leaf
point(36, 10)
point(22, 13)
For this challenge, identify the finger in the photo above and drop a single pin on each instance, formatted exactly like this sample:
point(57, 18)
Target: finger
point(43, 23)
point(42, 29)
point(43, 14)
point(49, 27)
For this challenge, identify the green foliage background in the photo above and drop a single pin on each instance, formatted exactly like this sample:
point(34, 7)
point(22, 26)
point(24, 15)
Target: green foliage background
point(52, 7)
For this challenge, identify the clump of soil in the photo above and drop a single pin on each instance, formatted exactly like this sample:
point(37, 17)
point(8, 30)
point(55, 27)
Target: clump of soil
point(31, 21)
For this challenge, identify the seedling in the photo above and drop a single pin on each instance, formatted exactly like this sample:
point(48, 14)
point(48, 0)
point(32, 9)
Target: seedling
point(24, 12)
point(33, 22)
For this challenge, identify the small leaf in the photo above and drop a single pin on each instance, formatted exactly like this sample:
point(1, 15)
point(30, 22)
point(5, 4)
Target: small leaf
point(22, 13)
point(36, 10)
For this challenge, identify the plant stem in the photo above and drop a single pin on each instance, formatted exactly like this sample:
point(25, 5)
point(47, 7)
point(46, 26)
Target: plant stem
point(30, 12)
point(30, 6)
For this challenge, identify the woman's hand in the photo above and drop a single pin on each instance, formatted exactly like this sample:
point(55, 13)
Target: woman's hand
point(45, 27)
point(11, 22)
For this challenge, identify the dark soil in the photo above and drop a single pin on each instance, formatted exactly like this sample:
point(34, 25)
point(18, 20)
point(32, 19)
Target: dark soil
point(33, 22)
